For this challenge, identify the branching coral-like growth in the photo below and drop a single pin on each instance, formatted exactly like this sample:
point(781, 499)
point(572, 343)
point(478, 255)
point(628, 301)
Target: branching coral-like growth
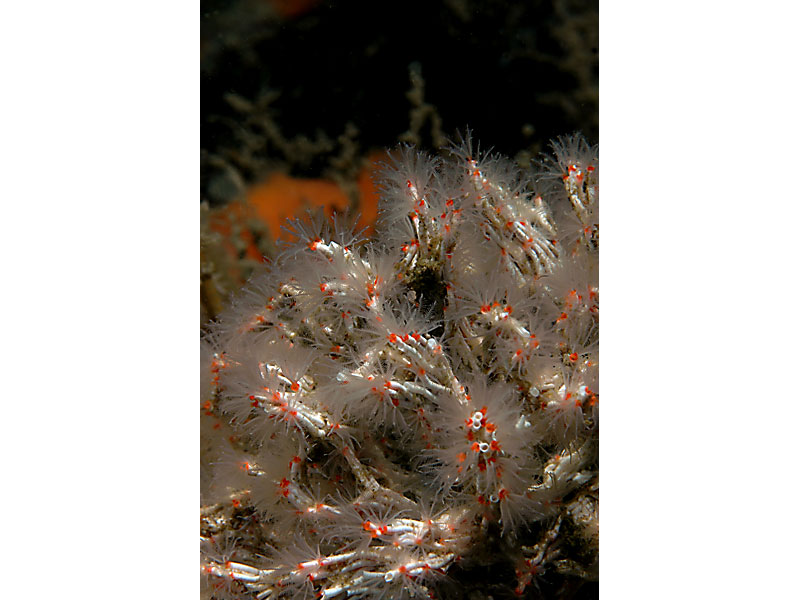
point(378, 414)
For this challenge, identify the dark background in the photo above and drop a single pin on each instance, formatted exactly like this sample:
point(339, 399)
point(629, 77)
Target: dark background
point(309, 87)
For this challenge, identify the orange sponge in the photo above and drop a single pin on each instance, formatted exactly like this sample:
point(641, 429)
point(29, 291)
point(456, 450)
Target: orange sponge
point(281, 197)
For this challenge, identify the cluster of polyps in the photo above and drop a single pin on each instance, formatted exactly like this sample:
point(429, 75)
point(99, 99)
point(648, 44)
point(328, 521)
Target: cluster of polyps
point(483, 445)
point(373, 412)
